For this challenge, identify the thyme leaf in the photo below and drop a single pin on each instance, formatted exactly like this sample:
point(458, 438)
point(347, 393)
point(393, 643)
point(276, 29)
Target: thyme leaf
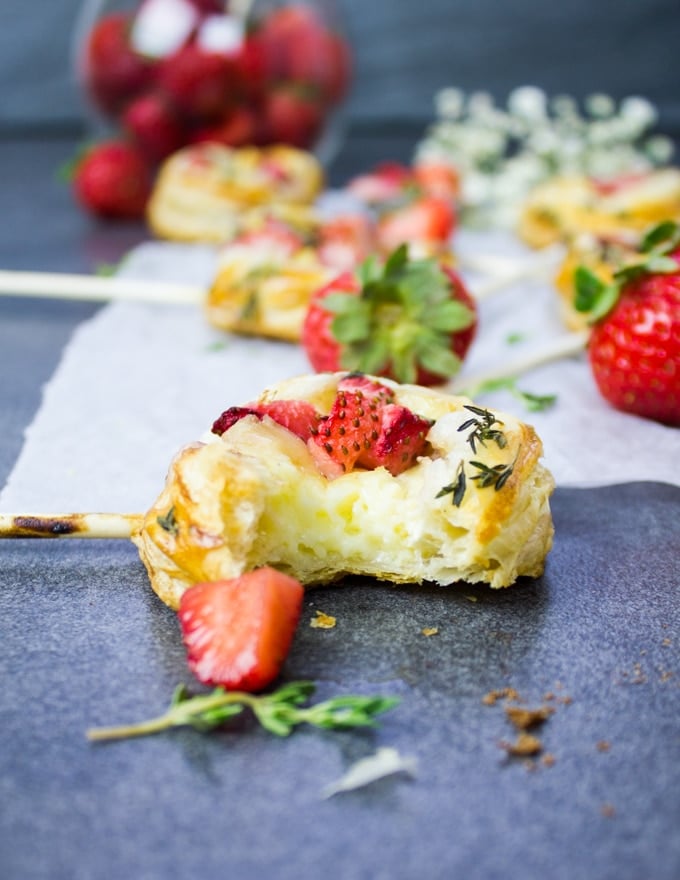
point(456, 488)
point(533, 402)
point(168, 522)
point(483, 428)
point(496, 476)
point(279, 712)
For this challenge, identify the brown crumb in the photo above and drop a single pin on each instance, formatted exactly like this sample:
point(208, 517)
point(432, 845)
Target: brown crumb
point(322, 621)
point(494, 696)
point(523, 719)
point(607, 810)
point(603, 745)
point(548, 760)
point(549, 696)
point(666, 643)
point(524, 746)
point(430, 630)
point(666, 675)
point(566, 700)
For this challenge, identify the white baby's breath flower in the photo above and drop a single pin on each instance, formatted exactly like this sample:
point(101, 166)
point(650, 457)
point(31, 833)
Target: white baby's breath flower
point(638, 110)
point(449, 103)
point(479, 104)
point(502, 153)
point(528, 102)
point(659, 149)
point(600, 106)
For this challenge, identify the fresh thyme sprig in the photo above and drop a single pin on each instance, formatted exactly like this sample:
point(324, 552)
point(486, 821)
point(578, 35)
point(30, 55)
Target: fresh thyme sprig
point(496, 476)
point(483, 428)
point(279, 712)
point(532, 402)
point(456, 488)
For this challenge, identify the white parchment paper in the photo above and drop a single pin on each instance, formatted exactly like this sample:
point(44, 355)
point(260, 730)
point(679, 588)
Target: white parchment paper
point(136, 382)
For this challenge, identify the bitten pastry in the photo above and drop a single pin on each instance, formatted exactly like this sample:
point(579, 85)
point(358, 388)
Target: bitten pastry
point(336, 473)
point(565, 207)
point(204, 191)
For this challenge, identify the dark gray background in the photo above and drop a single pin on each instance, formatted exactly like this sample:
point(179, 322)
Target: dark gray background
point(405, 51)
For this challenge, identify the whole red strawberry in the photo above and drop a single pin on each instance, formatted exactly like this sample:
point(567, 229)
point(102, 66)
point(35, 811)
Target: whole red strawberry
point(113, 180)
point(238, 632)
point(200, 84)
point(151, 124)
point(113, 71)
point(239, 127)
point(634, 346)
point(293, 115)
point(411, 320)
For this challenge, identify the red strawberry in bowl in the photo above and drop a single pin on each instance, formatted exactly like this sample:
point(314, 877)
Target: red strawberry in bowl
point(411, 320)
point(634, 346)
point(292, 114)
point(199, 82)
point(151, 124)
point(113, 71)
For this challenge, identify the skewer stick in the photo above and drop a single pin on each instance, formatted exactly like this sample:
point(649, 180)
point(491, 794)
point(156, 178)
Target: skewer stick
point(69, 525)
point(509, 271)
point(568, 345)
point(97, 288)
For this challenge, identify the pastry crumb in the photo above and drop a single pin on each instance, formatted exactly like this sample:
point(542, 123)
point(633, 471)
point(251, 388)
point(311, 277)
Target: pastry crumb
point(430, 630)
point(524, 746)
point(492, 697)
point(322, 621)
point(607, 810)
point(603, 745)
point(523, 718)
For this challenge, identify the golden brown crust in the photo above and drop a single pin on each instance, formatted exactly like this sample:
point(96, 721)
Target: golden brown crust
point(565, 207)
point(256, 497)
point(204, 192)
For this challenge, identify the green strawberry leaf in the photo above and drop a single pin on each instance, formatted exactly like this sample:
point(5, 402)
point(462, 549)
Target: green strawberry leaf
point(448, 316)
point(663, 237)
point(589, 288)
point(441, 361)
point(396, 261)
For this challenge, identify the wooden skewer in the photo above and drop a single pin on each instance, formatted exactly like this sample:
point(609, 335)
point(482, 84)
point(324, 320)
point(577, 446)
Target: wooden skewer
point(568, 345)
point(97, 288)
point(69, 525)
point(539, 266)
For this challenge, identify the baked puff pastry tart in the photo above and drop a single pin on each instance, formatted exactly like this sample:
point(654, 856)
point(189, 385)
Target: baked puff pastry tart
point(204, 192)
point(565, 207)
point(342, 473)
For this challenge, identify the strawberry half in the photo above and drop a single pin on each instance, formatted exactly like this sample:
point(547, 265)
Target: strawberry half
point(411, 320)
point(238, 632)
point(297, 416)
point(365, 428)
point(634, 346)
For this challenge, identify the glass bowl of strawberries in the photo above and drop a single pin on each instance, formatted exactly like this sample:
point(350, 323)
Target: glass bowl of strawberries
point(162, 74)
